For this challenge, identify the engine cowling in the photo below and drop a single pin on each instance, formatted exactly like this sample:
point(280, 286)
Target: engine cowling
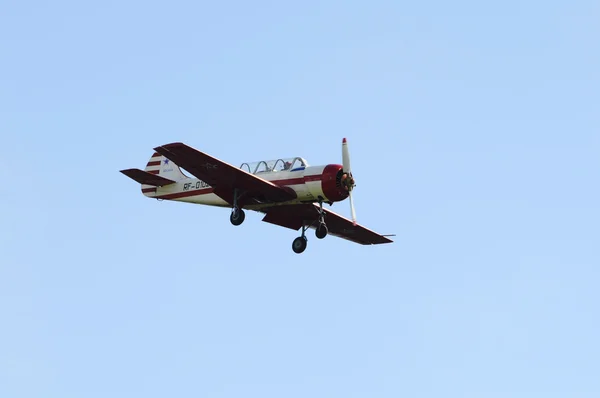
point(334, 183)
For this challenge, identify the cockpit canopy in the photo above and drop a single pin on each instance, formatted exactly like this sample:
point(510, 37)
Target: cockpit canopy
point(269, 166)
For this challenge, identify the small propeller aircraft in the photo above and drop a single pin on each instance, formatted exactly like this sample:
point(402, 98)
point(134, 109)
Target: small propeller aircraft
point(289, 191)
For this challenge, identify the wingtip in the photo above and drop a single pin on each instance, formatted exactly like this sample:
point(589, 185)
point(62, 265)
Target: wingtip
point(344, 140)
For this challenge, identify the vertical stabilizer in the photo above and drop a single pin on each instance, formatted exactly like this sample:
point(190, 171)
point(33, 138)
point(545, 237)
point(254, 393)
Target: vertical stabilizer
point(160, 165)
point(163, 167)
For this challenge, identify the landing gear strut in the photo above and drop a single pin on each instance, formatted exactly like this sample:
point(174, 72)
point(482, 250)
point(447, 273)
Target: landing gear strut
point(321, 230)
point(237, 215)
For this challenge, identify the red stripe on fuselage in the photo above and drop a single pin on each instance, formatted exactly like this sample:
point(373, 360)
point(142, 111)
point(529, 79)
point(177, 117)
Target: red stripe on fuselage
point(291, 181)
point(297, 181)
point(316, 177)
point(156, 155)
point(153, 171)
point(154, 163)
point(146, 190)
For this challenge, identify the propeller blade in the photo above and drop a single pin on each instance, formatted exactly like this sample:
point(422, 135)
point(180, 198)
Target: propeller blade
point(346, 157)
point(352, 208)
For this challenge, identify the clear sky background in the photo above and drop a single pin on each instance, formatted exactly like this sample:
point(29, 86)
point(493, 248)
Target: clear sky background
point(474, 131)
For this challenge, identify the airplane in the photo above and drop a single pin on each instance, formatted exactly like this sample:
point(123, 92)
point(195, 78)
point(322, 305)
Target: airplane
point(289, 191)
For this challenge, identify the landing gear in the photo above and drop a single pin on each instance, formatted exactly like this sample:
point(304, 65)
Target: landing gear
point(237, 215)
point(321, 231)
point(299, 244)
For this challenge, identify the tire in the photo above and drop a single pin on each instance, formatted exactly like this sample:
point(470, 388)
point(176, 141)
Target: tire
point(321, 231)
point(237, 217)
point(299, 244)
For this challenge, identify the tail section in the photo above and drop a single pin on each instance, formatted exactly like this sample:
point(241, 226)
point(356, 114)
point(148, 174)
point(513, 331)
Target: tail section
point(159, 172)
point(163, 167)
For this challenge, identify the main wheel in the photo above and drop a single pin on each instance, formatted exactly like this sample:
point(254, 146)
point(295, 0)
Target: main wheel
point(299, 244)
point(237, 216)
point(321, 231)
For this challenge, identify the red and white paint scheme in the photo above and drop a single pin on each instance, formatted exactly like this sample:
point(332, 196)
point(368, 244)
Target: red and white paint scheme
point(289, 191)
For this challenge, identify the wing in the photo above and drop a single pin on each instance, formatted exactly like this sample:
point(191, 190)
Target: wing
point(225, 178)
point(143, 177)
point(293, 216)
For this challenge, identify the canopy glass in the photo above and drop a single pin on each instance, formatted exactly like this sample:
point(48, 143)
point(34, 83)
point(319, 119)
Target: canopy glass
point(270, 166)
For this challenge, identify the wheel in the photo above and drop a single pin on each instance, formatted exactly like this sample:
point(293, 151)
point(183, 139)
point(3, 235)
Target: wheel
point(321, 231)
point(237, 217)
point(299, 244)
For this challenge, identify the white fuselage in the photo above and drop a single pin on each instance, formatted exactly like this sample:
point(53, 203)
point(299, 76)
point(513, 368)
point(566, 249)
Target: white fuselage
point(305, 182)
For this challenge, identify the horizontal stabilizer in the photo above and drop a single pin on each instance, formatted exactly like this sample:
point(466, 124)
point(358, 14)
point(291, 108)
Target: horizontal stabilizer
point(146, 178)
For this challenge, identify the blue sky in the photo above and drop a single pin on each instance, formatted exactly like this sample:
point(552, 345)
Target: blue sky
point(475, 137)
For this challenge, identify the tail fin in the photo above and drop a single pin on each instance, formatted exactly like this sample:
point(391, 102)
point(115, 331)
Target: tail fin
point(160, 165)
point(164, 168)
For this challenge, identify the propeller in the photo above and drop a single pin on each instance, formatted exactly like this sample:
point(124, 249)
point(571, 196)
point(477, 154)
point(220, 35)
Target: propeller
point(347, 179)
